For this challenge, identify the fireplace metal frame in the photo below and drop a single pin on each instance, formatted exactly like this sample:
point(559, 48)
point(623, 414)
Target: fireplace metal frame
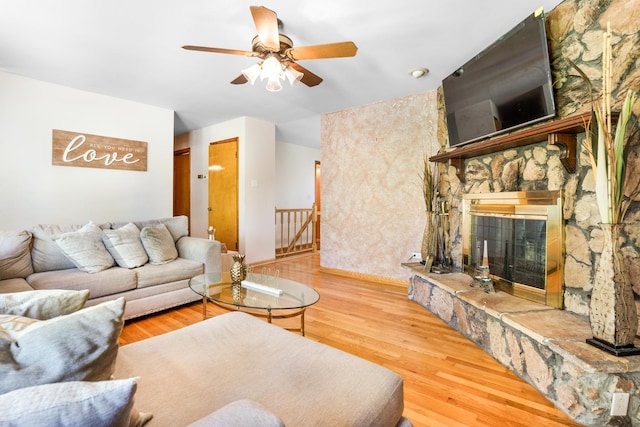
point(522, 205)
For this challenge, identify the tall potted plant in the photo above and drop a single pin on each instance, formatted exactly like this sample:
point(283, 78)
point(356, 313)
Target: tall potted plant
point(612, 310)
point(429, 238)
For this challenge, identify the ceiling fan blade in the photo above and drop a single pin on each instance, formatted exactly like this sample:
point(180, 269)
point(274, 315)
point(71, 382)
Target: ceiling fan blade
point(331, 50)
point(241, 79)
point(308, 77)
point(220, 50)
point(266, 22)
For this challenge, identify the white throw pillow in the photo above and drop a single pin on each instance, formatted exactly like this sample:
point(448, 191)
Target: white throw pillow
point(240, 413)
point(159, 244)
point(81, 346)
point(125, 246)
point(85, 248)
point(70, 404)
point(43, 304)
point(11, 325)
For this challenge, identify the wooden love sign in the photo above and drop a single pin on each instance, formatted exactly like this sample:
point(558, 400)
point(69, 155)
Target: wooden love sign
point(94, 151)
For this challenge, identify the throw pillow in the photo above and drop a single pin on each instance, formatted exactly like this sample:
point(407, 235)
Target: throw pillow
point(11, 324)
point(158, 244)
point(75, 403)
point(85, 248)
point(44, 304)
point(81, 346)
point(15, 254)
point(125, 246)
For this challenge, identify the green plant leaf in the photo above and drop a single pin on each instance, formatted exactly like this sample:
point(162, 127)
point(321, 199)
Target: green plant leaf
point(620, 140)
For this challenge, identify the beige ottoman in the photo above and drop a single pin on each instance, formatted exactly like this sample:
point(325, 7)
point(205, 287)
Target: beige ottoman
point(189, 373)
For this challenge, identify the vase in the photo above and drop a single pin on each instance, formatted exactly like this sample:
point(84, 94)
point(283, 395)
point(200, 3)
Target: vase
point(429, 241)
point(238, 269)
point(612, 310)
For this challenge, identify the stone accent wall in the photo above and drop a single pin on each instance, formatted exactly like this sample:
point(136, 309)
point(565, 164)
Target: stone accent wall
point(372, 204)
point(574, 30)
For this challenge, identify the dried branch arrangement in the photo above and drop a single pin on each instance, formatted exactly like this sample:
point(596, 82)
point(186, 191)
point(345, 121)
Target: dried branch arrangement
point(608, 150)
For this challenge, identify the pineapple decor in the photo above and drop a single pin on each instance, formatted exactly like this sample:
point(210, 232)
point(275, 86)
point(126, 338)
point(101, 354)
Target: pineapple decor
point(236, 294)
point(238, 269)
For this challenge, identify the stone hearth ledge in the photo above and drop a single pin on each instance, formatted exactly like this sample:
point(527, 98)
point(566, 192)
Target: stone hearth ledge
point(544, 346)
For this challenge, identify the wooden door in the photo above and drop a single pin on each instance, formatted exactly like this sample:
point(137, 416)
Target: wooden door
point(182, 183)
point(223, 191)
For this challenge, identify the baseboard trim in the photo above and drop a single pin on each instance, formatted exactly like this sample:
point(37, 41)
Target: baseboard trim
point(283, 259)
point(368, 277)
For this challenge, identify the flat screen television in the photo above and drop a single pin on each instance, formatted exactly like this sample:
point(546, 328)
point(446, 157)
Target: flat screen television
point(506, 86)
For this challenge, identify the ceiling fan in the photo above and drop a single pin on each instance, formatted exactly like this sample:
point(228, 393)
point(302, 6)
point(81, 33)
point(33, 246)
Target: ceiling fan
point(278, 54)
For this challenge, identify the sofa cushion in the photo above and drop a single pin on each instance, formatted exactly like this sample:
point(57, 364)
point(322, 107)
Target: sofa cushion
point(15, 254)
point(81, 346)
point(240, 413)
point(14, 285)
point(107, 282)
point(85, 248)
point(159, 244)
point(43, 305)
point(179, 269)
point(71, 404)
point(178, 226)
point(125, 246)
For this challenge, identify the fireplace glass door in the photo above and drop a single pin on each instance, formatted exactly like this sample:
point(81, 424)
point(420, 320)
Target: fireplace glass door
point(524, 239)
point(516, 248)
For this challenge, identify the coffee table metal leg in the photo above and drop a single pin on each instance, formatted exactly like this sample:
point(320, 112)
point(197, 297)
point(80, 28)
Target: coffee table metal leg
point(269, 314)
point(302, 322)
point(204, 308)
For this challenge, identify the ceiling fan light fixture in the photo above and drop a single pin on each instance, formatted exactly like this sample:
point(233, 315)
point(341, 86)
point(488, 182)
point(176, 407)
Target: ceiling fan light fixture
point(278, 53)
point(292, 75)
point(273, 85)
point(271, 67)
point(252, 73)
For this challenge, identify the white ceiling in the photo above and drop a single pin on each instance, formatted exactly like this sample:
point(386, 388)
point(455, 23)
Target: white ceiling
point(131, 49)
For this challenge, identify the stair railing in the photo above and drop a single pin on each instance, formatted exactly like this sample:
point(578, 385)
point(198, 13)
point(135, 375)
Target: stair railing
point(296, 231)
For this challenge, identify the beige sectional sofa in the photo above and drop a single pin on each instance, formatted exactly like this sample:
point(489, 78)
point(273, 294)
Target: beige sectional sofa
point(65, 292)
point(38, 259)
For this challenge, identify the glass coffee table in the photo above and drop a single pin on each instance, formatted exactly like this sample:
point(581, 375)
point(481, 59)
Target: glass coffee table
point(261, 295)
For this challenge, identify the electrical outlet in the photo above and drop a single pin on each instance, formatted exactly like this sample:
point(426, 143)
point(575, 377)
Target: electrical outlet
point(619, 404)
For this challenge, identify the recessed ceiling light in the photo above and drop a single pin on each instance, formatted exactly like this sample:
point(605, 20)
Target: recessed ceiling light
point(418, 73)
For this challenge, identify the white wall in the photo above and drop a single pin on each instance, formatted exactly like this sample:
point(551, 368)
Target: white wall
point(256, 164)
point(295, 175)
point(260, 181)
point(34, 191)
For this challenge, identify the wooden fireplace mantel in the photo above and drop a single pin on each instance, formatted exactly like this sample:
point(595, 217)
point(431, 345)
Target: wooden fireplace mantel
point(560, 132)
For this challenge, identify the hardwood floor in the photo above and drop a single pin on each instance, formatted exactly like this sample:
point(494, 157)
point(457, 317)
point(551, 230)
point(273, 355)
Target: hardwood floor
point(448, 381)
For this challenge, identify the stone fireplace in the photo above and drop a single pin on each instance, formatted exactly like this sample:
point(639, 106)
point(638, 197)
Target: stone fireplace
point(542, 344)
point(522, 232)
